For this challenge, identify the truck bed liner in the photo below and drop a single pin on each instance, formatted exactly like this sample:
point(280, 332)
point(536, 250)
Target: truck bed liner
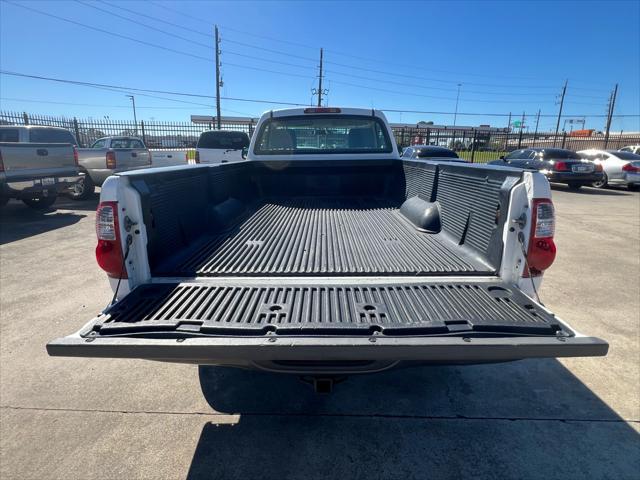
point(255, 307)
point(313, 235)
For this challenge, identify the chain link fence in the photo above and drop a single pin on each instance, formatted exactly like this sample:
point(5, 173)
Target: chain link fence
point(477, 145)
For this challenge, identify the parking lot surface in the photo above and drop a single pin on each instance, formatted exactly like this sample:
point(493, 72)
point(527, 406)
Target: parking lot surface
point(66, 418)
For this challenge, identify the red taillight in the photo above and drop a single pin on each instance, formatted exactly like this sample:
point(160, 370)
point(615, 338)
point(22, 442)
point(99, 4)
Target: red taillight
point(561, 167)
point(109, 248)
point(1, 163)
point(598, 167)
point(322, 110)
point(197, 157)
point(75, 156)
point(111, 160)
point(631, 168)
point(542, 250)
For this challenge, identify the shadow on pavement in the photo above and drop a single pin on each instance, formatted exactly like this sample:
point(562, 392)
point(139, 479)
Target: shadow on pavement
point(17, 221)
point(530, 419)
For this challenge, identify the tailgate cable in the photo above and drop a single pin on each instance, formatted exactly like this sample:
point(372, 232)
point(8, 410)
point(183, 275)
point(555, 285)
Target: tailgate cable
point(526, 264)
point(122, 270)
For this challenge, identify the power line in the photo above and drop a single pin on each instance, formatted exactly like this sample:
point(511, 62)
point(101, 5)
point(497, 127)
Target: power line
point(137, 22)
point(288, 54)
point(149, 44)
point(121, 88)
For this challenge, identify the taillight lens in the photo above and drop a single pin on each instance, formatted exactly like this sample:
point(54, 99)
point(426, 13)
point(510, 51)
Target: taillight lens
point(75, 156)
point(630, 167)
point(109, 248)
point(149, 153)
point(1, 163)
point(598, 167)
point(561, 167)
point(197, 157)
point(542, 250)
point(111, 160)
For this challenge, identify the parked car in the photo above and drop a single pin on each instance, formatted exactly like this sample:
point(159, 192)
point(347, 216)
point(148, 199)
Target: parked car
point(631, 149)
point(620, 167)
point(36, 164)
point(431, 152)
point(557, 164)
point(221, 146)
point(105, 157)
point(326, 258)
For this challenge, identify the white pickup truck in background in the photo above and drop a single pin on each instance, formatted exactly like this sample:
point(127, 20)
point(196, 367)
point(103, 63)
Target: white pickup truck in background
point(105, 157)
point(36, 164)
point(326, 254)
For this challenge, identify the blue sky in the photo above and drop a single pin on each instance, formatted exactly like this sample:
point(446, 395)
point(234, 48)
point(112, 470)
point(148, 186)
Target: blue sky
point(507, 56)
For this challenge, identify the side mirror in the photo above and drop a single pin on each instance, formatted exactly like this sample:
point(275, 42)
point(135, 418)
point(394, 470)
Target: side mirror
point(502, 158)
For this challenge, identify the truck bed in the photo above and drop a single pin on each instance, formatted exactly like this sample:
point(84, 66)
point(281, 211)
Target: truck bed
point(330, 235)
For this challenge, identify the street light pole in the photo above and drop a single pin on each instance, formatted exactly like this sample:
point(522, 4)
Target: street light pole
point(135, 118)
point(455, 115)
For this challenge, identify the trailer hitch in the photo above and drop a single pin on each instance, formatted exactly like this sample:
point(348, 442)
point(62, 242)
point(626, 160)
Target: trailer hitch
point(323, 385)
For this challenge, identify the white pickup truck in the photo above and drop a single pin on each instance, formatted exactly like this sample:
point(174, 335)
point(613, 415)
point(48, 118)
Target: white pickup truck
point(326, 254)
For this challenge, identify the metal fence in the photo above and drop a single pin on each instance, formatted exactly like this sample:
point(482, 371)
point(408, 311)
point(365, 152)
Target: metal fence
point(474, 144)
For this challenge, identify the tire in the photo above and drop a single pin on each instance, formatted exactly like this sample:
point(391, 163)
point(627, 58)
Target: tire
point(602, 183)
point(575, 186)
point(40, 203)
point(83, 189)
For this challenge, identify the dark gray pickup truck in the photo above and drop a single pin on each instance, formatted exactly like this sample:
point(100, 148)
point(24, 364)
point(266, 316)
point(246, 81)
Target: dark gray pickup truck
point(36, 164)
point(326, 254)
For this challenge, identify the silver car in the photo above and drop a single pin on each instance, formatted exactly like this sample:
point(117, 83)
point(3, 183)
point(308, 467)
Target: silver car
point(620, 168)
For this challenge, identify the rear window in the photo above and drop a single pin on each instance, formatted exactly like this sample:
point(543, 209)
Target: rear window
point(126, 143)
point(9, 135)
point(559, 154)
point(223, 140)
point(437, 153)
point(323, 134)
point(49, 135)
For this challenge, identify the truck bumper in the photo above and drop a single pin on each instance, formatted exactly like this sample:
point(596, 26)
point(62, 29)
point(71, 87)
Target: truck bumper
point(570, 177)
point(36, 187)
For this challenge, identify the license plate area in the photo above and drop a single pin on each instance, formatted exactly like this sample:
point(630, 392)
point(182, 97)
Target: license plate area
point(581, 168)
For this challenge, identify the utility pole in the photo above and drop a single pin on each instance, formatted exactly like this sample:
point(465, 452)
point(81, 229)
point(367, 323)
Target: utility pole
point(217, 77)
point(319, 91)
point(612, 104)
point(320, 82)
point(135, 118)
point(455, 114)
point(564, 91)
point(535, 134)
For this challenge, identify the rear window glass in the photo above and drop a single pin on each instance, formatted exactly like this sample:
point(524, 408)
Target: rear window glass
point(223, 140)
point(126, 143)
point(323, 134)
point(437, 153)
point(9, 135)
point(48, 135)
point(557, 153)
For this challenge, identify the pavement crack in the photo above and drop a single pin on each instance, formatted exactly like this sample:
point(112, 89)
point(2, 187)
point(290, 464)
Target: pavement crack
point(390, 416)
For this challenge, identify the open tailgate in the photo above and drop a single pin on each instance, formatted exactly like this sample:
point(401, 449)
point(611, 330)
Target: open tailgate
point(269, 323)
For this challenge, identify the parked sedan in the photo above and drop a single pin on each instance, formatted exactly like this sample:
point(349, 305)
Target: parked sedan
point(431, 152)
point(557, 164)
point(620, 167)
